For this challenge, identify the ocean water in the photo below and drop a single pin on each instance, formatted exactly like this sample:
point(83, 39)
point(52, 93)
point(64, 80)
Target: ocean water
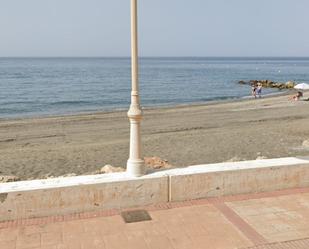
point(51, 86)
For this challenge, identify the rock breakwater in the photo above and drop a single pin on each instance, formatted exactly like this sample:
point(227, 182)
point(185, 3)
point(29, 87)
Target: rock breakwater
point(270, 84)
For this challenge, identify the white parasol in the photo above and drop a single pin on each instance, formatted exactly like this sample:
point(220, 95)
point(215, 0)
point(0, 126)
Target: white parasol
point(302, 86)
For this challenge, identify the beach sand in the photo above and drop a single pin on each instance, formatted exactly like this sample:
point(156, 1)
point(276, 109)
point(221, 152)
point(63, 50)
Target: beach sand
point(185, 135)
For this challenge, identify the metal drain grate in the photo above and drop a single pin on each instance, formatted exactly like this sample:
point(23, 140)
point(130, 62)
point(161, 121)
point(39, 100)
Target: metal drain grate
point(135, 216)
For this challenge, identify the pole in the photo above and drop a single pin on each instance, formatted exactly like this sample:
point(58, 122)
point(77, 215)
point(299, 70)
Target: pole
point(135, 164)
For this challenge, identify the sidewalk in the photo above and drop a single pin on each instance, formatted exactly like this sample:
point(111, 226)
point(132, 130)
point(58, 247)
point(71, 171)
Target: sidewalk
point(258, 221)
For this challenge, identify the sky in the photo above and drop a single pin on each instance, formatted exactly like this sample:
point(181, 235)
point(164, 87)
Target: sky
point(166, 28)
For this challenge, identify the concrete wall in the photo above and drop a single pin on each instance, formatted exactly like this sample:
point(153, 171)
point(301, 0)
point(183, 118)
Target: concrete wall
point(223, 183)
point(53, 198)
point(88, 193)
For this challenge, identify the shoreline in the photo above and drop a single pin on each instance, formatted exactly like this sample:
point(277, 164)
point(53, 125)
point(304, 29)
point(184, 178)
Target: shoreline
point(152, 107)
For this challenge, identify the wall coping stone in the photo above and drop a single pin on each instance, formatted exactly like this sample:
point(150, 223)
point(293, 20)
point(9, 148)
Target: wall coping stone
point(123, 176)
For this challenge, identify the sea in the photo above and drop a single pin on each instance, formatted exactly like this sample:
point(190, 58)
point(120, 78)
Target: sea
point(31, 87)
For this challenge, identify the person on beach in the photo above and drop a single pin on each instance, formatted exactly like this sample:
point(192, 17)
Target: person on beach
point(259, 89)
point(253, 89)
point(297, 96)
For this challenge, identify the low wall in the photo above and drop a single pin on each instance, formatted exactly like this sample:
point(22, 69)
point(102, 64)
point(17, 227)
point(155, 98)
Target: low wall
point(79, 194)
point(59, 196)
point(240, 178)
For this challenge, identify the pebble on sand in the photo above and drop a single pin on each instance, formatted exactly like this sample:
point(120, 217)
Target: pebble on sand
point(9, 179)
point(306, 144)
point(157, 163)
point(110, 169)
point(235, 159)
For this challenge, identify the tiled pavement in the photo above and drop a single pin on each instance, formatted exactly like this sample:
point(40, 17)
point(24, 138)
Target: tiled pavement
point(258, 221)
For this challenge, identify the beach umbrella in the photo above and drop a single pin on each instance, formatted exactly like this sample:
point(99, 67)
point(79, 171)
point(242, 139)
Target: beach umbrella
point(302, 86)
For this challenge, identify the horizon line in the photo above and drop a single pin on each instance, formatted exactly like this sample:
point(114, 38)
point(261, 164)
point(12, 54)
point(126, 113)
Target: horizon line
point(151, 56)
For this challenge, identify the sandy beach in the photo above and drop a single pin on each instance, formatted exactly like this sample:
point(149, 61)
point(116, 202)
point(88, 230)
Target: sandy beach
point(184, 135)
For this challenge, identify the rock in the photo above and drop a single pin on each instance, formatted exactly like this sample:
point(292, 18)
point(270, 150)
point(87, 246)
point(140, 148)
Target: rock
point(289, 84)
point(276, 85)
point(261, 158)
point(110, 169)
point(235, 159)
point(47, 176)
point(306, 144)
point(9, 179)
point(269, 83)
point(253, 81)
point(157, 163)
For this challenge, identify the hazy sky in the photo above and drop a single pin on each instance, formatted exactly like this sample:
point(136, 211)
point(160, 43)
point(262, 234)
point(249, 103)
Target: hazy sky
point(166, 27)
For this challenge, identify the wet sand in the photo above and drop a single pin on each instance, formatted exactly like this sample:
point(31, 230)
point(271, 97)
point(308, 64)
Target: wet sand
point(186, 135)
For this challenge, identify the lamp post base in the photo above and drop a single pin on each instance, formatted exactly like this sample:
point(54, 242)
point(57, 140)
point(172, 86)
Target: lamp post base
point(136, 167)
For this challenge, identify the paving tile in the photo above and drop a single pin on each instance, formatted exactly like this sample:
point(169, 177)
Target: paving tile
point(284, 236)
point(288, 221)
point(61, 246)
point(48, 247)
point(136, 240)
point(51, 238)
point(72, 244)
point(94, 226)
point(180, 241)
point(195, 229)
point(92, 242)
point(158, 242)
point(304, 233)
point(295, 244)
point(110, 225)
point(72, 227)
point(51, 227)
point(28, 230)
point(8, 244)
point(206, 241)
point(28, 241)
point(137, 226)
point(72, 231)
point(167, 217)
point(176, 231)
point(8, 234)
point(156, 229)
point(116, 241)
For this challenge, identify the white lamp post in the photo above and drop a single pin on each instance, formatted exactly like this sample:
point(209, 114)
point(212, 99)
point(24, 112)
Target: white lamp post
point(135, 164)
